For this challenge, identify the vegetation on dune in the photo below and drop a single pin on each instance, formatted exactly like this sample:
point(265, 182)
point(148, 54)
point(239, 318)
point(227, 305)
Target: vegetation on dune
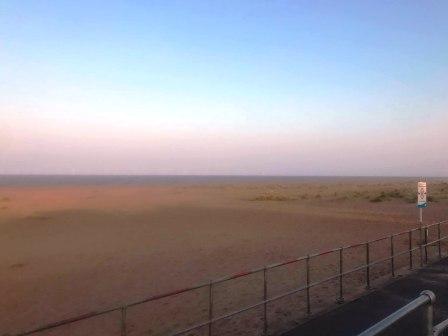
point(388, 195)
point(374, 193)
point(411, 198)
point(38, 217)
point(379, 198)
point(270, 197)
point(409, 195)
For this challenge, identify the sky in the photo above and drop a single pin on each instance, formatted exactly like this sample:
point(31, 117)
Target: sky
point(224, 87)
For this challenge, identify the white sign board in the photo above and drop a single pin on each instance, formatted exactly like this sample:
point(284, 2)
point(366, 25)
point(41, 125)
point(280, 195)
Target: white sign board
point(421, 195)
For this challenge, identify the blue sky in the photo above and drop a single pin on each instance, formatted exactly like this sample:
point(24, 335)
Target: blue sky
point(224, 87)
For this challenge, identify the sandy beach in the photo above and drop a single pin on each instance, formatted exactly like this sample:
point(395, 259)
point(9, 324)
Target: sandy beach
point(70, 249)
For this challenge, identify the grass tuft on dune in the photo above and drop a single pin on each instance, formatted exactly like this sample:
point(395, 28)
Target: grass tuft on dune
point(271, 197)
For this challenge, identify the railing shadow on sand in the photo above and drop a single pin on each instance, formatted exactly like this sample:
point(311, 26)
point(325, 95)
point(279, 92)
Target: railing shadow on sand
point(303, 287)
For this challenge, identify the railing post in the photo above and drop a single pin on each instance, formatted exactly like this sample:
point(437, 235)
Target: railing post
point(265, 297)
point(341, 267)
point(439, 245)
point(429, 313)
point(410, 249)
point(367, 265)
point(421, 245)
point(210, 307)
point(392, 261)
point(123, 321)
point(308, 299)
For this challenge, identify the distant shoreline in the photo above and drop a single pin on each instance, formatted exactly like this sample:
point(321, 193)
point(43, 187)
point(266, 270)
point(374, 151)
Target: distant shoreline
point(54, 180)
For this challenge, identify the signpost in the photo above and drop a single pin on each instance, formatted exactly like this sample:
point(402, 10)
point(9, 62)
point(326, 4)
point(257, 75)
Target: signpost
point(422, 202)
point(421, 196)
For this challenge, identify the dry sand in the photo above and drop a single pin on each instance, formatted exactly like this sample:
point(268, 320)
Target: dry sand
point(67, 250)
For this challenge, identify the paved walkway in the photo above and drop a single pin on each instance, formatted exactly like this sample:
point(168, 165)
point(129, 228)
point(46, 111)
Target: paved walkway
point(356, 316)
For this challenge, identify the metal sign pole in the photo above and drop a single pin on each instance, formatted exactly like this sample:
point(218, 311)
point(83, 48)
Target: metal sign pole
point(421, 198)
point(421, 217)
point(422, 203)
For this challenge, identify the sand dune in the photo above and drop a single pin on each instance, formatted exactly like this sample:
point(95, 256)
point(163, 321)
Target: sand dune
point(66, 250)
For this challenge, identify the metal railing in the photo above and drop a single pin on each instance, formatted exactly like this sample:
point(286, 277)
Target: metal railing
point(441, 328)
point(416, 246)
point(425, 301)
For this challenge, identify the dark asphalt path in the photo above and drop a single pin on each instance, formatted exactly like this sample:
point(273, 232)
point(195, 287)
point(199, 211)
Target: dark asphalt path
point(356, 316)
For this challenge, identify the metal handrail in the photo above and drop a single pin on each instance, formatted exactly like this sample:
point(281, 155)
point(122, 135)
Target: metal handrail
point(440, 328)
point(340, 275)
point(299, 289)
point(426, 300)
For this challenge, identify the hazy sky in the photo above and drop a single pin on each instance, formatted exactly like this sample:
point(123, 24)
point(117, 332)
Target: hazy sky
point(224, 87)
